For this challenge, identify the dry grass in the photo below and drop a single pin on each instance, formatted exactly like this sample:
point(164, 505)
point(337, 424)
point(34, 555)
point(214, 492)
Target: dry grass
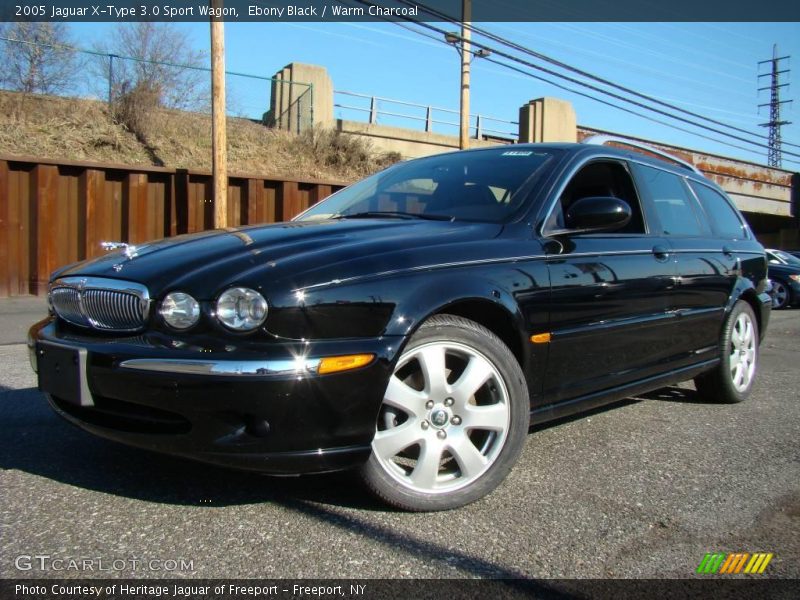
point(69, 129)
point(60, 128)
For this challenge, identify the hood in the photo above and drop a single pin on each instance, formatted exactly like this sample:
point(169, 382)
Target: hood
point(295, 254)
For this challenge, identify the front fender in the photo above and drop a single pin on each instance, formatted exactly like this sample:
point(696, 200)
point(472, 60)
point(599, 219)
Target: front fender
point(434, 294)
point(391, 305)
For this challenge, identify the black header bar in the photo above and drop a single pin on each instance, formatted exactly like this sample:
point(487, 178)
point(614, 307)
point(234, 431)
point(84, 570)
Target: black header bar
point(241, 11)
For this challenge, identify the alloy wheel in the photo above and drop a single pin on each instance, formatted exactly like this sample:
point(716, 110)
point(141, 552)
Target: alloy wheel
point(444, 418)
point(780, 294)
point(743, 352)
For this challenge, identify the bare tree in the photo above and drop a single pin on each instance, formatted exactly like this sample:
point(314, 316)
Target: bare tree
point(158, 58)
point(39, 60)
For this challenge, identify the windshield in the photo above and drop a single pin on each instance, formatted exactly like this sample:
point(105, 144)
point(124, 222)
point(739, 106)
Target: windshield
point(486, 185)
point(785, 258)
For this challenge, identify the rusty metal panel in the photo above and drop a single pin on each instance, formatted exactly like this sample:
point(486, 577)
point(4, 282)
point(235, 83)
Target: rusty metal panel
point(236, 192)
point(4, 227)
point(19, 230)
point(53, 213)
point(44, 225)
point(290, 200)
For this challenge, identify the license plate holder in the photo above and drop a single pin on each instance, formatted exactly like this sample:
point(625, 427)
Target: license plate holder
point(62, 372)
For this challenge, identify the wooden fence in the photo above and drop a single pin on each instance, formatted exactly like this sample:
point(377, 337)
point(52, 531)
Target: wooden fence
point(53, 213)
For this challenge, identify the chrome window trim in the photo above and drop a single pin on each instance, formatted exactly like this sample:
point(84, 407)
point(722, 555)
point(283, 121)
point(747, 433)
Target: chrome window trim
point(571, 173)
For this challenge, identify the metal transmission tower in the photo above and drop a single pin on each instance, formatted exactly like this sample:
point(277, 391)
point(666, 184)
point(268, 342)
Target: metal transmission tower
point(774, 124)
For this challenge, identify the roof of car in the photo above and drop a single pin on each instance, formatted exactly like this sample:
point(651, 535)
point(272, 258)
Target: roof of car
point(674, 164)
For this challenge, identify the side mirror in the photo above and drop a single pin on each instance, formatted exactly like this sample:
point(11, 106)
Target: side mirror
point(598, 213)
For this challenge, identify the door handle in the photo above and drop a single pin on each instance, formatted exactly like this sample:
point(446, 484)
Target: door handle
point(727, 251)
point(661, 252)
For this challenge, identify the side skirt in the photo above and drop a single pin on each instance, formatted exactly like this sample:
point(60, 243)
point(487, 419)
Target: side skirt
point(565, 408)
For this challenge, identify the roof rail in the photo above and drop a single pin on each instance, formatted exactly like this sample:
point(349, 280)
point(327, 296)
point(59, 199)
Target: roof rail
point(600, 140)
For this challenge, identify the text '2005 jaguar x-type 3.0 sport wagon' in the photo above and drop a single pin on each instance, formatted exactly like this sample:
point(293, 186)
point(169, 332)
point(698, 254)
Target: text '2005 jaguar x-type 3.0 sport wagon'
point(414, 324)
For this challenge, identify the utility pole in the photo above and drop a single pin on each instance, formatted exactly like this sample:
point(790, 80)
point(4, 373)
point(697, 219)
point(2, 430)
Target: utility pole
point(219, 146)
point(774, 124)
point(466, 59)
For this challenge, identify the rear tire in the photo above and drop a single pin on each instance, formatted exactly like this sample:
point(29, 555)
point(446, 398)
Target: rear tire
point(732, 380)
point(453, 420)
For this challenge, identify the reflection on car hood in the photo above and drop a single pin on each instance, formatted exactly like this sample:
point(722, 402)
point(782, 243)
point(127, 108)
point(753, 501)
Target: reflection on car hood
point(295, 254)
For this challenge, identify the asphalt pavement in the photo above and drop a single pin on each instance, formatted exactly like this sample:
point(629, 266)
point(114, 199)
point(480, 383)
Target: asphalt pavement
point(642, 489)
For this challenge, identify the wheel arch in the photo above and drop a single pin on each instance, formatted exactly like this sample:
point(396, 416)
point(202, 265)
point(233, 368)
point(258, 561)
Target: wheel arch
point(495, 317)
point(745, 291)
point(476, 299)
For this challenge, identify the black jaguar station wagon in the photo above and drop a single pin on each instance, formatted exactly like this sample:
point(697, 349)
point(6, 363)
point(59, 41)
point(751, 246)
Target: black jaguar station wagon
point(414, 325)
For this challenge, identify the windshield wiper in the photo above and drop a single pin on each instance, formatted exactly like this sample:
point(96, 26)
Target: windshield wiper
point(393, 214)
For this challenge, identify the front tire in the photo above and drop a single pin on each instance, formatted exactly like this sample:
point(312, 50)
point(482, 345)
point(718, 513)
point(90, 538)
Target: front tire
point(453, 420)
point(732, 380)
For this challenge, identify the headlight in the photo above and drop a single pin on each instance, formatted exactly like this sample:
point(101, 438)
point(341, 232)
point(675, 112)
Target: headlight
point(241, 309)
point(795, 278)
point(180, 310)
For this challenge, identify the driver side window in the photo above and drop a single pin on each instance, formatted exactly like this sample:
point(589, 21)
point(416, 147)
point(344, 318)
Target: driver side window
point(598, 178)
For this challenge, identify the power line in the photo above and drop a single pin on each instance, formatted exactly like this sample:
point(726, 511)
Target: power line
point(565, 66)
point(618, 107)
point(440, 39)
point(583, 94)
point(577, 81)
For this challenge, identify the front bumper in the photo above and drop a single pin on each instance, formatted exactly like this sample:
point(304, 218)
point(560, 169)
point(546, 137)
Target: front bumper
point(262, 408)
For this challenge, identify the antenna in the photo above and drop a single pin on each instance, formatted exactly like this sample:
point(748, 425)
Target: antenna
point(774, 123)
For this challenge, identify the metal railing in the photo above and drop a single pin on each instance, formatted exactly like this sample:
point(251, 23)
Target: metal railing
point(429, 115)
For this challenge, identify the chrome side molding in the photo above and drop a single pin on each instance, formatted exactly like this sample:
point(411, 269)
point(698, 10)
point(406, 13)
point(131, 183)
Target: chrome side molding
point(233, 368)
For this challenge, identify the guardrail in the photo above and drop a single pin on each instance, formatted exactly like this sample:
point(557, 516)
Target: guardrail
point(428, 115)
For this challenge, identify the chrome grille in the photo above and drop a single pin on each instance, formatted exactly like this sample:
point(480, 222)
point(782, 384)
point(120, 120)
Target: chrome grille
point(67, 303)
point(105, 304)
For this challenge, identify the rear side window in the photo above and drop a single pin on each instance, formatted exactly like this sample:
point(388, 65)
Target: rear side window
point(725, 222)
point(672, 202)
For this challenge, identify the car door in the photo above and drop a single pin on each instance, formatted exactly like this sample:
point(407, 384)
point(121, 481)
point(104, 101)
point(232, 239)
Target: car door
point(608, 310)
point(707, 262)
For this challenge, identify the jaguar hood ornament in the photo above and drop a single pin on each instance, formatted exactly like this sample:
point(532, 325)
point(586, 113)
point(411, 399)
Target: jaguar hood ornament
point(129, 250)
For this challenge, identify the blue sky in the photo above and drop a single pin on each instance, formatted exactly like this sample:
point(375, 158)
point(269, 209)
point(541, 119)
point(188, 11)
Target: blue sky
point(708, 68)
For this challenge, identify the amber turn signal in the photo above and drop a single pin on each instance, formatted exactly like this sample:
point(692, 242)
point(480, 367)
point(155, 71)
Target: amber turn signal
point(335, 364)
point(541, 338)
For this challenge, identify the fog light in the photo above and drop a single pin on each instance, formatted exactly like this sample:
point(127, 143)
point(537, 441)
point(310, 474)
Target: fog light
point(335, 364)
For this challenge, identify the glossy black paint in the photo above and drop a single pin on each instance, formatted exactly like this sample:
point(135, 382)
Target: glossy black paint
point(595, 214)
point(626, 313)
